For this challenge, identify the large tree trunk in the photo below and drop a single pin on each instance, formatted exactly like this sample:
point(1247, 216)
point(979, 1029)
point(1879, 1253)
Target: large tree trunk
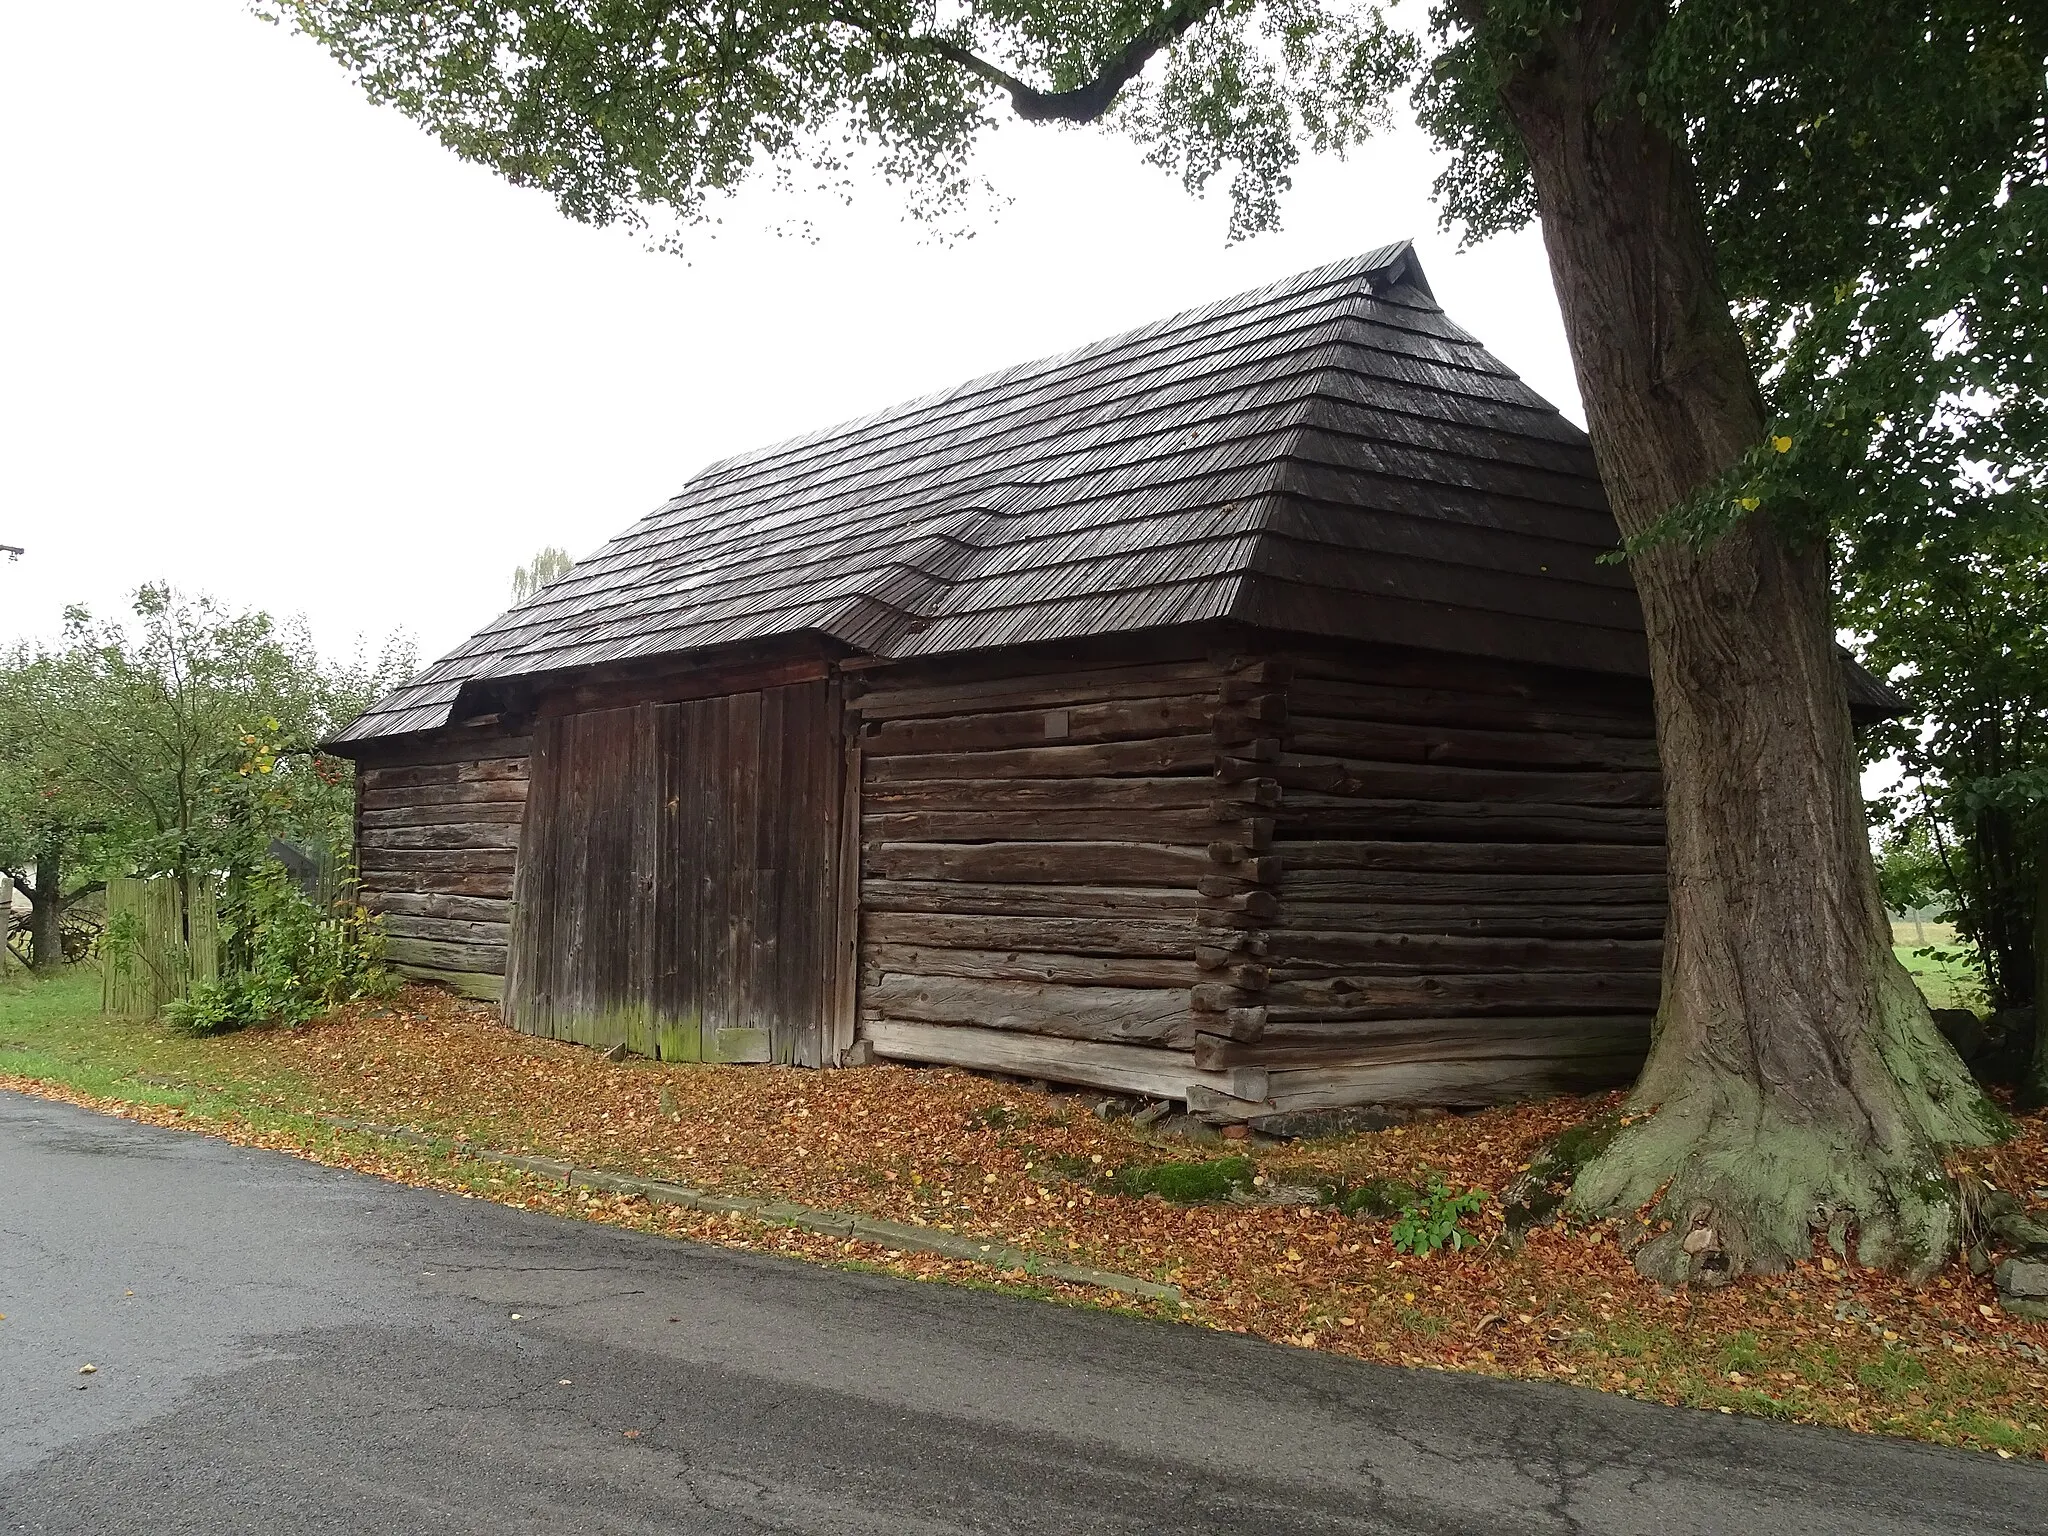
point(2034, 1090)
point(45, 917)
point(1797, 1081)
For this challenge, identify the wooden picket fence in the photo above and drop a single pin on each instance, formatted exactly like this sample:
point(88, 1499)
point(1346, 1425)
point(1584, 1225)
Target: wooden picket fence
point(162, 940)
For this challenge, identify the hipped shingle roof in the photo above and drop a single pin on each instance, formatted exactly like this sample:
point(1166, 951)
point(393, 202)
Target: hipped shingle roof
point(1330, 455)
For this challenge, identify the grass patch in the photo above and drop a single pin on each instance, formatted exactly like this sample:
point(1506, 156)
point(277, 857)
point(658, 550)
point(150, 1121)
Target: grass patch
point(1895, 1373)
point(1187, 1183)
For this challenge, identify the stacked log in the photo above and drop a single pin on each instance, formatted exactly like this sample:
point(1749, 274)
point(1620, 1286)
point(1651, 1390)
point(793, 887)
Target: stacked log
point(1035, 852)
point(437, 835)
point(1473, 897)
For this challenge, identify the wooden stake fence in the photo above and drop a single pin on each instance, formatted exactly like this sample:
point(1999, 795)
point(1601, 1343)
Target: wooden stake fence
point(163, 939)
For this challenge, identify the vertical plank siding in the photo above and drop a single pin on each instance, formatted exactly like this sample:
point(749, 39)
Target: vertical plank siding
point(164, 942)
point(676, 886)
point(437, 832)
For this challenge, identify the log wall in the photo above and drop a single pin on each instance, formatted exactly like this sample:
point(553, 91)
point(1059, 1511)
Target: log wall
point(1471, 900)
point(1038, 854)
point(1316, 877)
point(437, 835)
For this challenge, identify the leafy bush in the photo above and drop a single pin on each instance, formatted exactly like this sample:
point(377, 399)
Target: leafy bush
point(1432, 1221)
point(296, 959)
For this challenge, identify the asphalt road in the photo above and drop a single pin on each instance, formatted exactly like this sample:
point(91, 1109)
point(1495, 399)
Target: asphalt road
point(284, 1347)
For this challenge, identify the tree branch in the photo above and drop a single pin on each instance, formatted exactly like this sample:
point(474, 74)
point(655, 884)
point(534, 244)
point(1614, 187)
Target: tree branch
point(1082, 104)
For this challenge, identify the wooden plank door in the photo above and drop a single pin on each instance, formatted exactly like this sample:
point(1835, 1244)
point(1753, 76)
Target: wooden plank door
point(747, 879)
point(679, 890)
point(583, 887)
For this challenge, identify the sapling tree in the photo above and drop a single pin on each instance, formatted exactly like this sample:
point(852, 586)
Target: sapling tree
point(1777, 232)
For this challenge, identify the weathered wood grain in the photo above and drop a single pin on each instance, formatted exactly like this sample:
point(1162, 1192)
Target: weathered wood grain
point(457, 744)
point(1154, 1073)
point(1154, 755)
point(1073, 936)
point(678, 887)
point(1343, 999)
point(1115, 903)
point(512, 790)
point(478, 909)
point(498, 835)
point(1318, 889)
point(447, 930)
point(1446, 707)
point(1299, 854)
point(487, 778)
point(486, 958)
point(494, 884)
point(1435, 1039)
point(1474, 920)
point(437, 831)
point(1304, 815)
point(1151, 1015)
point(1045, 968)
point(1492, 788)
point(484, 986)
point(1038, 863)
point(466, 813)
point(1065, 794)
point(1431, 951)
point(1040, 688)
point(1197, 825)
point(1070, 722)
point(1389, 741)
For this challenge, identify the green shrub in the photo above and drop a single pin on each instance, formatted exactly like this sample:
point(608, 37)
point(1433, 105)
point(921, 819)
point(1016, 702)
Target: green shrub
point(297, 959)
point(1432, 1220)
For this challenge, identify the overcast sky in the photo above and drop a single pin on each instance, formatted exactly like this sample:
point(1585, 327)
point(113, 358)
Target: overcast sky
point(261, 339)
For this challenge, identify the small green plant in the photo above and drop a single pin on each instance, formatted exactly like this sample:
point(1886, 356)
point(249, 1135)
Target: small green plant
point(297, 959)
point(1432, 1221)
point(1376, 1198)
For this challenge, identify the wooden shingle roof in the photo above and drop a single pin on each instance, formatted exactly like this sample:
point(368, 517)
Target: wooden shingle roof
point(1329, 455)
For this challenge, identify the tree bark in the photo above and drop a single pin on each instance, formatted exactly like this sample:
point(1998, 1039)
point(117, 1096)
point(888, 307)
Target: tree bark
point(46, 911)
point(2034, 1089)
point(1797, 1081)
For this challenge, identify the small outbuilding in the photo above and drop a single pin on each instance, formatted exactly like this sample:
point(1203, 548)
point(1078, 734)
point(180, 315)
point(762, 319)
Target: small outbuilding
point(1233, 711)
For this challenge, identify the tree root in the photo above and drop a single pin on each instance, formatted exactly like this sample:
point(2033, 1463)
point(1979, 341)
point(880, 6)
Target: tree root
point(1740, 1178)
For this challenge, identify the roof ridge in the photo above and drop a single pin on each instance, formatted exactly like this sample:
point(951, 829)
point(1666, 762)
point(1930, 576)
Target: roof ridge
point(1366, 264)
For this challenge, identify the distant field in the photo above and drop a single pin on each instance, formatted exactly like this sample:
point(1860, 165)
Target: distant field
point(1911, 935)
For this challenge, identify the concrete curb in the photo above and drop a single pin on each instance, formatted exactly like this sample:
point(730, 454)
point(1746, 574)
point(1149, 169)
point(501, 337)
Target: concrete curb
point(785, 1213)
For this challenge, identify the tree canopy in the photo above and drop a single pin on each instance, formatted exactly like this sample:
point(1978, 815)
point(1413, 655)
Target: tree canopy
point(179, 743)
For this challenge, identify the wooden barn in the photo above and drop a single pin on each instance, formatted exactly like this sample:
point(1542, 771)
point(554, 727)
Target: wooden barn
point(1232, 711)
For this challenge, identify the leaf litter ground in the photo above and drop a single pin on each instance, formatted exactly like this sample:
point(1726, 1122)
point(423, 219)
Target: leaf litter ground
point(1000, 1162)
